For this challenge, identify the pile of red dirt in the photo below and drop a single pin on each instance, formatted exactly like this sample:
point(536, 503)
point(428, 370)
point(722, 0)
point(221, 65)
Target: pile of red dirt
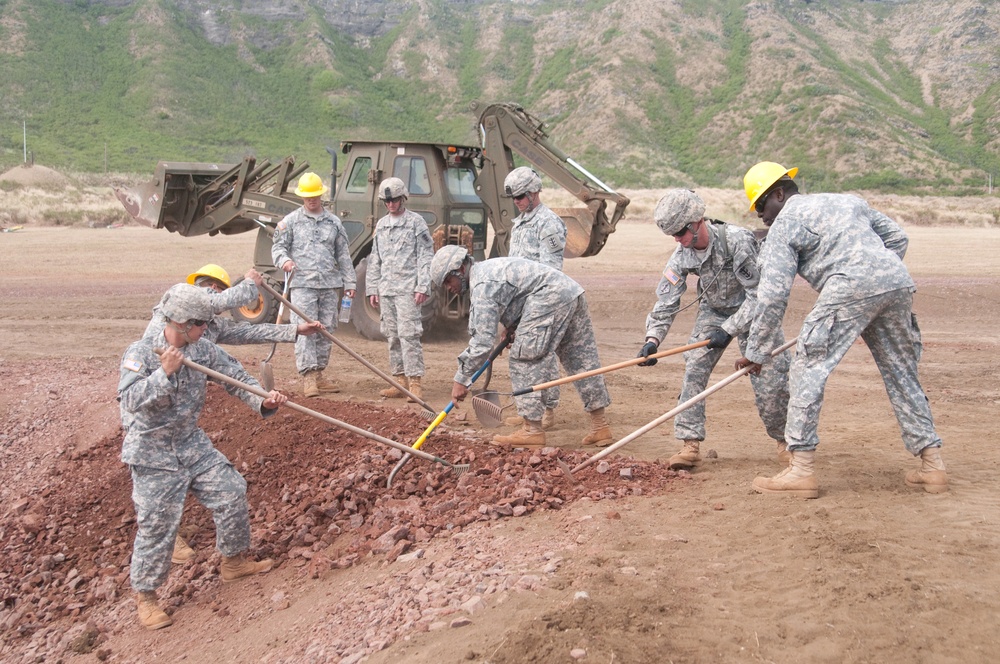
point(317, 493)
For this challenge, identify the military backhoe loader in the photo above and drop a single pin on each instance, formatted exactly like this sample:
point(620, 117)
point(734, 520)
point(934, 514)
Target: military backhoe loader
point(452, 186)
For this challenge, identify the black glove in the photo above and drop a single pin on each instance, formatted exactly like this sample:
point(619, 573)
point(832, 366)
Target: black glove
point(649, 348)
point(719, 338)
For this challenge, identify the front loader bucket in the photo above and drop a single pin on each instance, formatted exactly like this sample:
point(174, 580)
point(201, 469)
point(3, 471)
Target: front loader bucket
point(143, 203)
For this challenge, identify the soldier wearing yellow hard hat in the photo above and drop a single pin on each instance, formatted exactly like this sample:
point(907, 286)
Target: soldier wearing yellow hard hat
point(312, 242)
point(852, 255)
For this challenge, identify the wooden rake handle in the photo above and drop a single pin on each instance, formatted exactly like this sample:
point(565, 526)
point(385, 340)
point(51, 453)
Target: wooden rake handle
point(252, 389)
point(610, 367)
point(701, 396)
point(326, 333)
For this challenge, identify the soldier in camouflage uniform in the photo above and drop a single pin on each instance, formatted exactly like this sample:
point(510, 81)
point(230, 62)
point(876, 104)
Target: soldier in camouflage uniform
point(221, 330)
point(537, 234)
point(725, 259)
point(398, 284)
point(549, 313)
point(168, 455)
point(312, 242)
point(853, 256)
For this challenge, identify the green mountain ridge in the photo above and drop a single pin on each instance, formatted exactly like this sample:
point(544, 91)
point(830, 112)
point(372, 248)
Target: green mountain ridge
point(894, 96)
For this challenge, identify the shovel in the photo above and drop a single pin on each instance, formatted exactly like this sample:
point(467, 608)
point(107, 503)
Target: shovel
point(458, 468)
point(266, 370)
point(447, 409)
point(487, 406)
point(701, 396)
point(326, 333)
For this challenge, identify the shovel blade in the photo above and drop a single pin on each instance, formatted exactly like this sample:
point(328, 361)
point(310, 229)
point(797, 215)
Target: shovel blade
point(266, 376)
point(488, 410)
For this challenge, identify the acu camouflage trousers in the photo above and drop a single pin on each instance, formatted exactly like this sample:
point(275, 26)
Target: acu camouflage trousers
point(401, 325)
point(159, 497)
point(323, 305)
point(770, 388)
point(889, 328)
point(568, 334)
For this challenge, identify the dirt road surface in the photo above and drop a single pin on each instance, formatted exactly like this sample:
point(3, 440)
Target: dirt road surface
point(660, 568)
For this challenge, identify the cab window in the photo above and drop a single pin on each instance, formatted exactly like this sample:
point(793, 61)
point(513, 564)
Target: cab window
point(462, 185)
point(357, 183)
point(413, 171)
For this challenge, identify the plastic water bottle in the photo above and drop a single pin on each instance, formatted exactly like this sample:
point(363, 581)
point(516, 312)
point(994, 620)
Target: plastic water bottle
point(345, 309)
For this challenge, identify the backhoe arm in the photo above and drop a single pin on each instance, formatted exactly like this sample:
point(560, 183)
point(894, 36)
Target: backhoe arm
point(507, 129)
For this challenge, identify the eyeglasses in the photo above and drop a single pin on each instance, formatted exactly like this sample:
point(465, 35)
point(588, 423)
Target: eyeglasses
point(759, 205)
point(197, 323)
point(398, 199)
point(520, 197)
point(682, 231)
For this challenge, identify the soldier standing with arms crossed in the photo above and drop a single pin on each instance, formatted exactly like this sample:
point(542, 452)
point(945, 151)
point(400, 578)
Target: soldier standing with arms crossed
point(398, 284)
point(312, 242)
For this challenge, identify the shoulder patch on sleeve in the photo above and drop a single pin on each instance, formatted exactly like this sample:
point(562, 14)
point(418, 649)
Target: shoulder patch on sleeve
point(132, 364)
point(553, 243)
point(671, 276)
point(281, 225)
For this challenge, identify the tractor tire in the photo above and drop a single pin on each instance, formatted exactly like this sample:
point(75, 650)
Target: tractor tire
point(265, 310)
point(366, 319)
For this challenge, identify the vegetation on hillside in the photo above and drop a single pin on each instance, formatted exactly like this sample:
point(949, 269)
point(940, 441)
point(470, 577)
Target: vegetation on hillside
point(118, 86)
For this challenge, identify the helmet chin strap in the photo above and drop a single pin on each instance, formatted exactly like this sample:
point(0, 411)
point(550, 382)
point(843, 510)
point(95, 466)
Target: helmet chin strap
point(183, 330)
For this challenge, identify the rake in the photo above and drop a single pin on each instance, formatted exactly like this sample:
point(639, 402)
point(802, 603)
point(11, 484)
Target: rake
point(489, 410)
point(458, 468)
point(701, 396)
point(447, 409)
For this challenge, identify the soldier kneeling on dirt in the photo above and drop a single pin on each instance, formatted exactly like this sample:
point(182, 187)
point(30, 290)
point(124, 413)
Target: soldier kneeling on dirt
point(549, 312)
point(168, 455)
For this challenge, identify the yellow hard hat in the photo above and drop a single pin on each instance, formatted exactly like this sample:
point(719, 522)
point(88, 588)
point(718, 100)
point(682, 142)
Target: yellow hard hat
point(310, 186)
point(211, 270)
point(762, 176)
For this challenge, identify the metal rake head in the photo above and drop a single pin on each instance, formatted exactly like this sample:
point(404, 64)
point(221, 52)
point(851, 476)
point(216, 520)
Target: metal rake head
point(488, 410)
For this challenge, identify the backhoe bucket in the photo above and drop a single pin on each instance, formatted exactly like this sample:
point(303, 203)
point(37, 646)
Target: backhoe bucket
point(579, 225)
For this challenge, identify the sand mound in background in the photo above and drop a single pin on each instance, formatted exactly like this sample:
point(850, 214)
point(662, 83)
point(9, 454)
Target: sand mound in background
point(35, 176)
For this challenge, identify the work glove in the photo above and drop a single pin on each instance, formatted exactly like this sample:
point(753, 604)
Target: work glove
point(719, 338)
point(649, 348)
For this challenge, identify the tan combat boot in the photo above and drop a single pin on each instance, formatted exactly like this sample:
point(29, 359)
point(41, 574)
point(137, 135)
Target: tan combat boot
point(393, 392)
point(931, 475)
point(150, 614)
point(687, 458)
point(324, 385)
point(600, 430)
point(237, 567)
point(517, 420)
point(795, 480)
point(414, 387)
point(549, 418)
point(530, 435)
point(309, 386)
point(784, 456)
point(182, 552)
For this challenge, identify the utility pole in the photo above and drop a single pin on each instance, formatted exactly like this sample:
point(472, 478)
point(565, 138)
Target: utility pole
point(24, 126)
